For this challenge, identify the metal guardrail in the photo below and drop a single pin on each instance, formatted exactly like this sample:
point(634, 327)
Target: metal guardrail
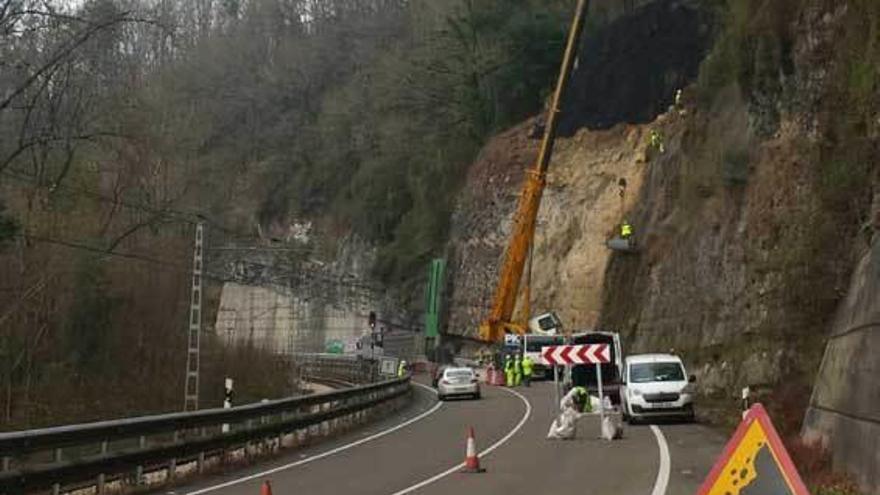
point(125, 450)
point(336, 367)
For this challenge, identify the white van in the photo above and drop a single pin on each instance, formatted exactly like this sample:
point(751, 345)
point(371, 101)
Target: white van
point(656, 385)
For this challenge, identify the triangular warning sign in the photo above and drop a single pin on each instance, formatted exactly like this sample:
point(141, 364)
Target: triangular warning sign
point(754, 462)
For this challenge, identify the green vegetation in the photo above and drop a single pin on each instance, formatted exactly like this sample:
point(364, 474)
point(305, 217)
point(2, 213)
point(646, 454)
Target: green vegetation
point(8, 226)
point(391, 140)
point(120, 120)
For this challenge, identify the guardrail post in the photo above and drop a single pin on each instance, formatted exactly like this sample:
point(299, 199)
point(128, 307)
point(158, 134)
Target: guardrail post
point(139, 470)
point(249, 445)
point(5, 462)
point(172, 464)
point(102, 478)
point(200, 462)
point(56, 456)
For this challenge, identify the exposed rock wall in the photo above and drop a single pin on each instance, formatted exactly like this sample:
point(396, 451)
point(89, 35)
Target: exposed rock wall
point(728, 274)
point(481, 224)
point(580, 208)
point(750, 226)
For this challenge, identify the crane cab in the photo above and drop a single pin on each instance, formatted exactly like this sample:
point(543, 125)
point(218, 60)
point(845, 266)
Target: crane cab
point(546, 324)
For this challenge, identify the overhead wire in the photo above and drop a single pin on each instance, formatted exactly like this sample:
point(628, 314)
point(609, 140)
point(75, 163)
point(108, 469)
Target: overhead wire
point(291, 277)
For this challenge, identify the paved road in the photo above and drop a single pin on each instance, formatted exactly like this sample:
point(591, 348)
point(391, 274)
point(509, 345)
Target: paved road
point(421, 457)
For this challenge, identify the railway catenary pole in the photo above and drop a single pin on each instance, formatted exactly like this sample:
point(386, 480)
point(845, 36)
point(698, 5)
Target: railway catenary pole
point(194, 325)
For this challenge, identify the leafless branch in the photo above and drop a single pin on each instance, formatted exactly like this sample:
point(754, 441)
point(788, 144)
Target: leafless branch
point(68, 49)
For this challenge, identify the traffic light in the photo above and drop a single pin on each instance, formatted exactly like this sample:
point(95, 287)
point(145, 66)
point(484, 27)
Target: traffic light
point(372, 320)
point(380, 337)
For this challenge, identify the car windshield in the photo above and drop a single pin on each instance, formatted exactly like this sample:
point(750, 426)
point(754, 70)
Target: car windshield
point(459, 374)
point(655, 372)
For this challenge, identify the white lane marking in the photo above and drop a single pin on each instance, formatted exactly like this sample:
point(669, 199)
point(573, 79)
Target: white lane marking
point(492, 447)
point(322, 455)
point(662, 480)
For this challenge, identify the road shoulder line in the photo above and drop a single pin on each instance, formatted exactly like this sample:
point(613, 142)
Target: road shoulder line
point(485, 452)
point(662, 480)
point(327, 453)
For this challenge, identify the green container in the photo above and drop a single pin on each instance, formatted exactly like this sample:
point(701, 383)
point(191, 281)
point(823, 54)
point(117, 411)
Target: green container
point(433, 292)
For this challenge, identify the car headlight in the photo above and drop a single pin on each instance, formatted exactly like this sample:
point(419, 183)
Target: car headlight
point(636, 392)
point(689, 389)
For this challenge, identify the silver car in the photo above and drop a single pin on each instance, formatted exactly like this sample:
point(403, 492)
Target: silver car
point(458, 382)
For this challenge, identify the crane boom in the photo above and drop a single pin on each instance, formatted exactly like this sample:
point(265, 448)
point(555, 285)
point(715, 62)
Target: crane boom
point(504, 302)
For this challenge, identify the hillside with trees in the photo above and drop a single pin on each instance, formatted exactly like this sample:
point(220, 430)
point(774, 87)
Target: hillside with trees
point(125, 122)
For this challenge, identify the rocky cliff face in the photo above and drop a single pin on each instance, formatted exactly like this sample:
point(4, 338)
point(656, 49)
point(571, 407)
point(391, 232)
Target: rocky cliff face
point(750, 224)
point(581, 206)
point(753, 221)
point(729, 273)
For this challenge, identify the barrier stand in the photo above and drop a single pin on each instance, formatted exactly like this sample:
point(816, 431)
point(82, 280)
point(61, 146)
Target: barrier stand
point(556, 405)
point(601, 398)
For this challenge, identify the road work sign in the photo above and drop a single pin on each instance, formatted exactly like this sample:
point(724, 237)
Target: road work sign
point(598, 354)
point(576, 354)
point(754, 462)
point(388, 366)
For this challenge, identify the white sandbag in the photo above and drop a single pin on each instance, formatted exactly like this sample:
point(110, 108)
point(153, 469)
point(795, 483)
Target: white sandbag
point(565, 426)
point(612, 428)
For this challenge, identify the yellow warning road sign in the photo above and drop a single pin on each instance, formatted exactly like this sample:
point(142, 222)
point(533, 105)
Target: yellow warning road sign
point(754, 462)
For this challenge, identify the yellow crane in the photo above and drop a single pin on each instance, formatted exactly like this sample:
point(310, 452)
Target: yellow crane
point(500, 318)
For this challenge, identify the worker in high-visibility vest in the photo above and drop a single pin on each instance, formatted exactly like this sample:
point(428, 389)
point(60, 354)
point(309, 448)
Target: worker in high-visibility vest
point(508, 370)
point(517, 371)
point(626, 230)
point(582, 400)
point(401, 368)
point(527, 369)
point(657, 141)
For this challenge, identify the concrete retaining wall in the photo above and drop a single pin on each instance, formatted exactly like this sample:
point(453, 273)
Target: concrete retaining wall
point(845, 407)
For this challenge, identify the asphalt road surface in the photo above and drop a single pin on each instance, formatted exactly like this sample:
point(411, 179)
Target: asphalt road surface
point(420, 450)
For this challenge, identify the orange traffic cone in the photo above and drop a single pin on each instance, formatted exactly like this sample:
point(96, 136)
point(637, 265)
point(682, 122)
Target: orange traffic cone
point(266, 489)
point(471, 460)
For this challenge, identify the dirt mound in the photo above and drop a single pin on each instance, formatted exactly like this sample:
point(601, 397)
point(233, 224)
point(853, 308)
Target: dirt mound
point(629, 71)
